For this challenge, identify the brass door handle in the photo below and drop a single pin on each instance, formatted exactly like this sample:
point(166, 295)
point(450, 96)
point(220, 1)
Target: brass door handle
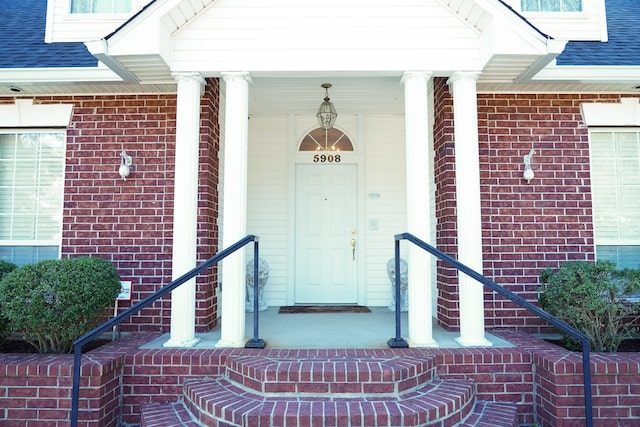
point(353, 248)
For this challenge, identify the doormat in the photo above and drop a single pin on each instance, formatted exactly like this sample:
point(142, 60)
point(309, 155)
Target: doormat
point(303, 309)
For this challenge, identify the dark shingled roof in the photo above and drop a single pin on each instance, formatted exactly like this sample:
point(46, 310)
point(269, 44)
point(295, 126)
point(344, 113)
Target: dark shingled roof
point(22, 43)
point(623, 47)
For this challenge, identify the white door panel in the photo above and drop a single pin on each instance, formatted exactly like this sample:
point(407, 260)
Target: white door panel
point(326, 268)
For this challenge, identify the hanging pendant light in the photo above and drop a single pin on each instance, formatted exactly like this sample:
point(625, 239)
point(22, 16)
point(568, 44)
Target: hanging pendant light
point(326, 114)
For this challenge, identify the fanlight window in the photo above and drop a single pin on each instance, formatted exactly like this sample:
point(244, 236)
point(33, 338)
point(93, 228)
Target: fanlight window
point(332, 140)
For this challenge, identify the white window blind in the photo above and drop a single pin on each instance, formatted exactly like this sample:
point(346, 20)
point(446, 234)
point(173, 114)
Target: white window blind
point(615, 181)
point(551, 5)
point(31, 187)
point(101, 6)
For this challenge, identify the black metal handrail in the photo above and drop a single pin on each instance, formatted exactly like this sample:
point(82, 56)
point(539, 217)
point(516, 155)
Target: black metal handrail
point(399, 342)
point(124, 315)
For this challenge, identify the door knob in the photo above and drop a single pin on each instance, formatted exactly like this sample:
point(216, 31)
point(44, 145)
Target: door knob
point(353, 248)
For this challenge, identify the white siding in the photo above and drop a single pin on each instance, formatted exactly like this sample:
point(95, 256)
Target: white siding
point(313, 35)
point(268, 197)
point(385, 200)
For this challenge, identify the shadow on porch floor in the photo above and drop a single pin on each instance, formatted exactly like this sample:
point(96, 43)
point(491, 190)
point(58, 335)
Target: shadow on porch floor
point(328, 330)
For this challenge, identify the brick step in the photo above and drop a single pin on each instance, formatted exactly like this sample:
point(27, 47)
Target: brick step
point(484, 414)
point(220, 402)
point(390, 375)
point(492, 414)
point(166, 415)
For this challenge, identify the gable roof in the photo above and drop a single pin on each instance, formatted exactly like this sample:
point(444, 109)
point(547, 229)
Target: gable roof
point(622, 48)
point(22, 39)
point(22, 47)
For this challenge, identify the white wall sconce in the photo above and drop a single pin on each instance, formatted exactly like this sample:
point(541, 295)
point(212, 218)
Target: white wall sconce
point(125, 166)
point(528, 171)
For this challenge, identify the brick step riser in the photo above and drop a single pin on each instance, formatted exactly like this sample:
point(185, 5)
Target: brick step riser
point(391, 377)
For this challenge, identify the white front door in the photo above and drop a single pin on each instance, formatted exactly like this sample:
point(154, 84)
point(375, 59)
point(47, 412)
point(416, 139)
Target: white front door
point(326, 235)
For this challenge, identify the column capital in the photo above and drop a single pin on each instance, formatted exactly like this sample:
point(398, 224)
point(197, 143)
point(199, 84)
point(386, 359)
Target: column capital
point(409, 75)
point(190, 76)
point(236, 75)
point(463, 75)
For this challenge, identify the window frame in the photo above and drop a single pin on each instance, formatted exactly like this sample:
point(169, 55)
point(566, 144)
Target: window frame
point(135, 6)
point(41, 243)
point(560, 3)
point(623, 240)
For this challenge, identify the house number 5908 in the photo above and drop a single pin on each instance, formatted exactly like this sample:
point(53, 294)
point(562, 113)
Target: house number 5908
point(326, 158)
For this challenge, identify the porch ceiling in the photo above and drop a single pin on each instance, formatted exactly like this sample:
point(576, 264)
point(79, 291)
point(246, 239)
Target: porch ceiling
point(362, 95)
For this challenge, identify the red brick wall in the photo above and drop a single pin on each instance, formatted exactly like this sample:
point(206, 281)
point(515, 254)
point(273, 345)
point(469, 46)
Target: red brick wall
point(35, 390)
point(129, 222)
point(446, 229)
point(206, 298)
point(526, 227)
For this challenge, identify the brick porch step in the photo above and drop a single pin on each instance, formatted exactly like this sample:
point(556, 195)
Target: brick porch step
point(485, 414)
point(166, 415)
point(341, 389)
point(219, 402)
point(372, 375)
point(492, 414)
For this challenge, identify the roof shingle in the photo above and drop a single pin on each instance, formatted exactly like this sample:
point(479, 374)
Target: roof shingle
point(623, 47)
point(22, 43)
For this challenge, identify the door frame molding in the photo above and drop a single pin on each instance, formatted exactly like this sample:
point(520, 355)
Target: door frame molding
point(298, 127)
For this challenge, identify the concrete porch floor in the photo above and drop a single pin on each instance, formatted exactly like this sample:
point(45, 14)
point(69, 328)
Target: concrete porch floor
point(328, 330)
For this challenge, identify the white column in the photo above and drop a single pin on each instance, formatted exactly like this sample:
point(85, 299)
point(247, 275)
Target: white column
point(185, 208)
point(234, 215)
point(465, 114)
point(418, 215)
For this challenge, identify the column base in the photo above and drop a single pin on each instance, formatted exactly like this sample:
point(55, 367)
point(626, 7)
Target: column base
point(483, 342)
point(230, 344)
point(423, 344)
point(181, 344)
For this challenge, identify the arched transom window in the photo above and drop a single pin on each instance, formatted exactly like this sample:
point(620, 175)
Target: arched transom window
point(326, 140)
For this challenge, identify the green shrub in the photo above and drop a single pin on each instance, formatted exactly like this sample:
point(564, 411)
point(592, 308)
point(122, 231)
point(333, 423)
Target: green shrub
point(593, 298)
point(54, 302)
point(5, 325)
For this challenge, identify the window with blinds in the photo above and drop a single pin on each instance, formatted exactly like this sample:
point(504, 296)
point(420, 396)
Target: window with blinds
point(615, 181)
point(551, 5)
point(101, 6)
point(31, 189)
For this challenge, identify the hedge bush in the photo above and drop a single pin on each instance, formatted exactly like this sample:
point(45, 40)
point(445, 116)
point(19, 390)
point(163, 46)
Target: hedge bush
point(593, 298)
point(54, 302)
point(5, 324)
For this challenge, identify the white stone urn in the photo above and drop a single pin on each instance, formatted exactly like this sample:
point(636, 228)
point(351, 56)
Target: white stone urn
point(404, 283)
point(263, 276)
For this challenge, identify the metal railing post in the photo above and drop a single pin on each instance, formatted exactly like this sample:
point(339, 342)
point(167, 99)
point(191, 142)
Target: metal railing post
point(586, 372)
point(397, 341)
point(255, 342)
